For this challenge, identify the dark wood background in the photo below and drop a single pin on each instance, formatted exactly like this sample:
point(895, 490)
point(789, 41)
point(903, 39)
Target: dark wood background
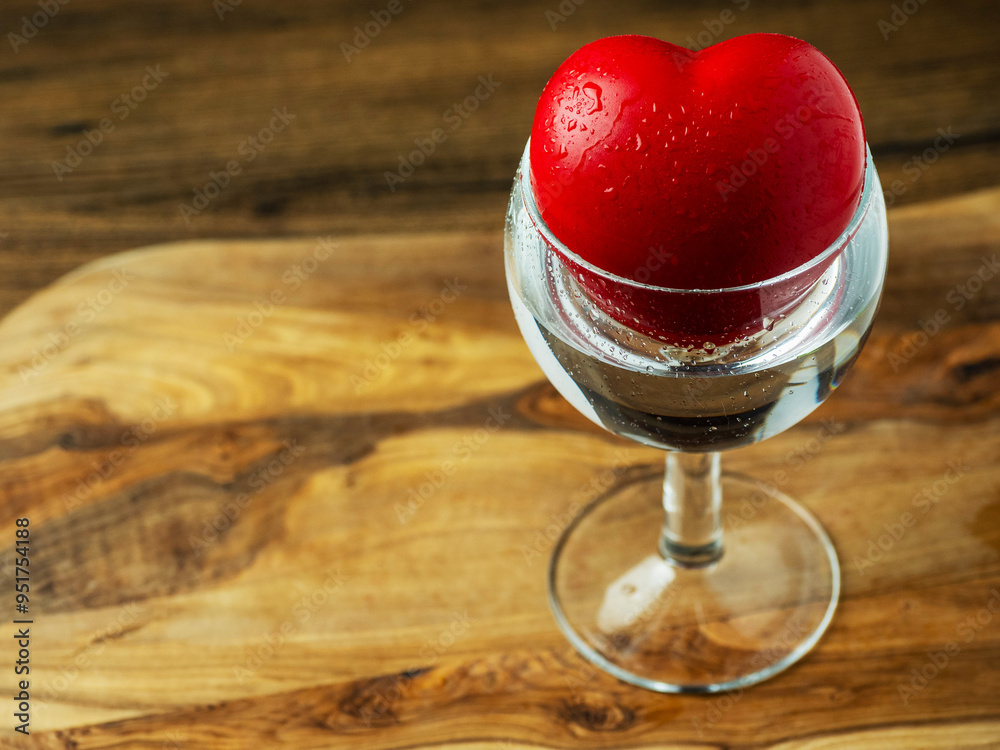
point(354, 120)
point(155, 625)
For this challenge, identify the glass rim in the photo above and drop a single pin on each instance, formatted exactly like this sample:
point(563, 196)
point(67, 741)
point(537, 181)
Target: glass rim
point(835, 247)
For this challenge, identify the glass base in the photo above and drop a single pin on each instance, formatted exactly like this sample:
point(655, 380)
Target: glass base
point(756, 611)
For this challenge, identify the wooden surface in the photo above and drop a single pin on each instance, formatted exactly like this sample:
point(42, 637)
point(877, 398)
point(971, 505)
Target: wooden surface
point(322, 611)
point(330, 607)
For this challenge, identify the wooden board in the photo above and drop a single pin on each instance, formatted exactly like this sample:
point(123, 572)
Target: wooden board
point(233, 457)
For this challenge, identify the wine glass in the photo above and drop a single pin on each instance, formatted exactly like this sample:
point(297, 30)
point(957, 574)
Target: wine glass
point(698, 582)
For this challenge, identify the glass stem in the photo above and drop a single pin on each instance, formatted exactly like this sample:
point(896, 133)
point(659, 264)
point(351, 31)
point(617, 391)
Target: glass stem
point(692, 502)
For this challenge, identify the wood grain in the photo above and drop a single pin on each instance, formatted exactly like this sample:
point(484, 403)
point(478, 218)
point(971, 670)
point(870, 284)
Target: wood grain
point(224, 555)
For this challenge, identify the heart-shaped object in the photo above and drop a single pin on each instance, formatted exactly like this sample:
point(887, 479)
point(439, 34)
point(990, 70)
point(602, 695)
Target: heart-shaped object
point(696, 171)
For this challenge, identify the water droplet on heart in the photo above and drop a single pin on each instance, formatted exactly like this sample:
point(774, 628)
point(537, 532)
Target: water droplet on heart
point(563, 151)
point(571, 125)
point(654, 106)
point(593, 92)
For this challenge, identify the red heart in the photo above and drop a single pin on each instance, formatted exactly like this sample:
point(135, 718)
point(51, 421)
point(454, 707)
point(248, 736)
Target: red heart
point(696, 170)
